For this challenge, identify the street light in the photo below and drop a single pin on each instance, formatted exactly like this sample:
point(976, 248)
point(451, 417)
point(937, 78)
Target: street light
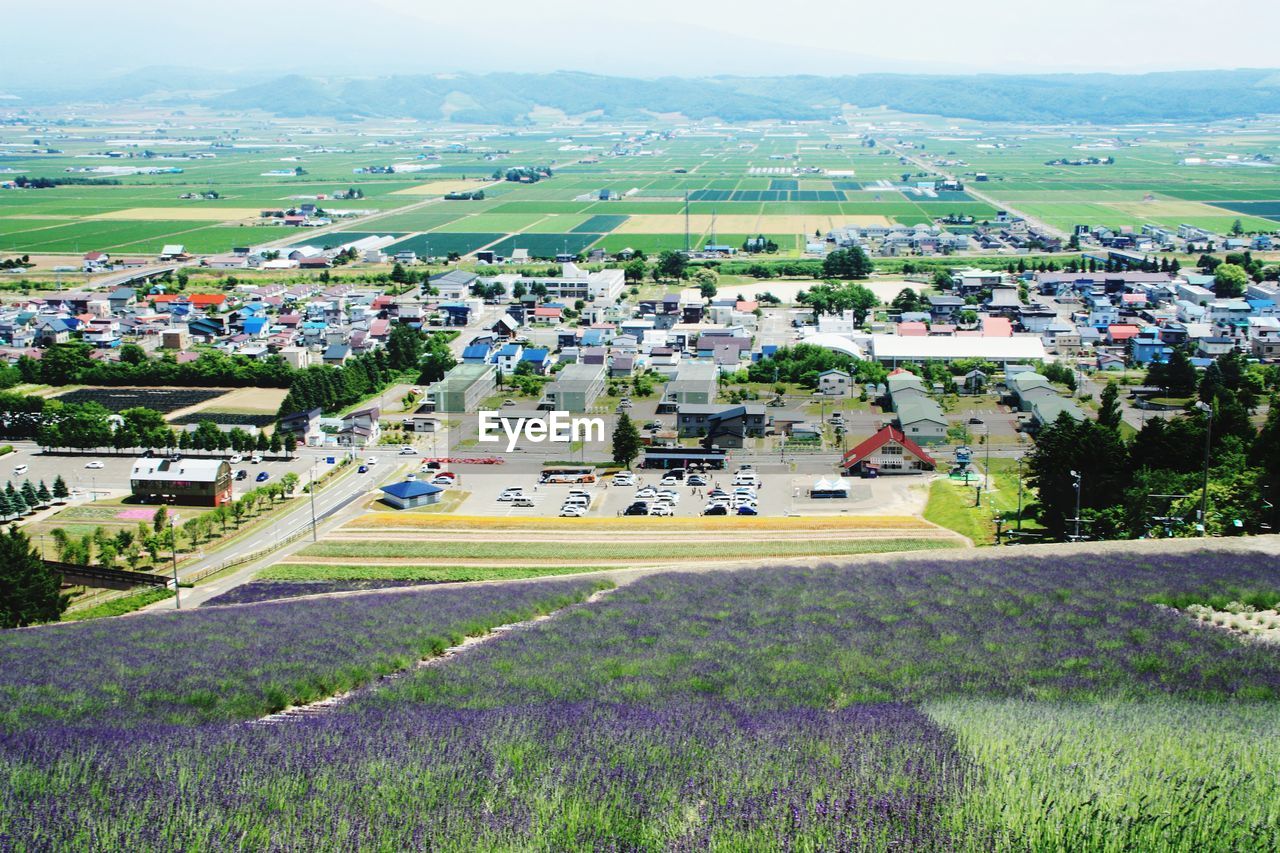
point(1019, 493)
point(173, 543)
point(1076, 475)
point(1204, 485)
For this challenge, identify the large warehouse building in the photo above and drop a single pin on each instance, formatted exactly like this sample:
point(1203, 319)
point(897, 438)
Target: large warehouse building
point(892, 350)
point(195, 482)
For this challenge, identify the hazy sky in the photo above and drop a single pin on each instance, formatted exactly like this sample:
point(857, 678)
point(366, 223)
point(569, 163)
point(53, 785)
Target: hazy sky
point(88, 39)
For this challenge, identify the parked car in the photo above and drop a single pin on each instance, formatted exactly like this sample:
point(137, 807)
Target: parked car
point(262, 477)
point(624, 478)
point(653, 425)
point(572, 511)
point(715, 509)
point(668, 481)
point(236, 459)
point(647, 492)
point(522, 501)
point(696, 480)
point(446, 475)
point(94, 464)
point(747, 509)
point(19, 470)
point(662, 509)
point(256, 458)
point(975, 420)
point(441, 480)
point(637, 508)
point(242, 474)
point(511, 494)
point(508, 402)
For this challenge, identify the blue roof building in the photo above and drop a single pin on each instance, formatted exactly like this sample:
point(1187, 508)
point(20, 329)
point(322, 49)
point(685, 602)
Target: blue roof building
point(409, 494)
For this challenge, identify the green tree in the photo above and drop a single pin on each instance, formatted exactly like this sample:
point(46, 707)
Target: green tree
point(159, 519)
point(1109, 415)
point(635, 270)
point(907, 300)
point(626, 441)
point(404, 347)
point(671, 265)
point(1230, 281)
point(30, 592)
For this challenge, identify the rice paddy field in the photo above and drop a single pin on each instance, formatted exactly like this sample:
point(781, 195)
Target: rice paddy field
point(1030, 700)
point(783, 181)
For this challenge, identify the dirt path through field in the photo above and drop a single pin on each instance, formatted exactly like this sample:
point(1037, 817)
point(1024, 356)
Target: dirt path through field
point(321, 706)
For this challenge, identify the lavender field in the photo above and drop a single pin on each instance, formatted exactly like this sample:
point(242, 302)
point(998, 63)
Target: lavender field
point(927, 704)
point(235, 664)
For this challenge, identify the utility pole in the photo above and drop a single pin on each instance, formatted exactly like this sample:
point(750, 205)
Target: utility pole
point(1204, 485)
point(686, 222)
point(1076, 475)
point(311, 487)
point(173, 542)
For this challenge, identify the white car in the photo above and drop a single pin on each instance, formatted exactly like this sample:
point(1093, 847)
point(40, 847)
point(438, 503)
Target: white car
point(572, 511)
point(408, 451)
point(94, 464)
point(582, 502)
point(668, 481)
point(669, 495)
point(662, 509)
point(626, 478)
point(236, 459)
point(511, 494)
point(646, 492)
point(371, 461)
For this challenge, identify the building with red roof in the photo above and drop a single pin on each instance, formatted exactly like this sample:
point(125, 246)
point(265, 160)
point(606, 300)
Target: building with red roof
point(997, 327)
point(887, 452)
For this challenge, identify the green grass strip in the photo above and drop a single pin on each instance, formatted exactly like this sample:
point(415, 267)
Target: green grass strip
point(120, 606)
point(588, 551)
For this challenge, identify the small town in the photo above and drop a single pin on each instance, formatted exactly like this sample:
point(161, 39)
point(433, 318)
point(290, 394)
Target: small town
point(665, 432)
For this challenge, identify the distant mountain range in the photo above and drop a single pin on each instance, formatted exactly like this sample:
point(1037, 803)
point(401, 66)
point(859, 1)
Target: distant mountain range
point(510, 98)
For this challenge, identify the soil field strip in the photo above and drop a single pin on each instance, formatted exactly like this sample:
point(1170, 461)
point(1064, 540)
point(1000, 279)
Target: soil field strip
point(181, 214)
point(442, 187)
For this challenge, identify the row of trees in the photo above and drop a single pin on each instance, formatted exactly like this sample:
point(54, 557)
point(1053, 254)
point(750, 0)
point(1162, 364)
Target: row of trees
point(17, 502)
point(1153, 484)
point(70, 364)
point(802, 364)
point(836, 298)
point(86, 426)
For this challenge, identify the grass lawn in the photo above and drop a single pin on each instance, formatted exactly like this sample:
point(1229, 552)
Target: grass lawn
point(119, 606)
point(951, 504)
point(329, 572)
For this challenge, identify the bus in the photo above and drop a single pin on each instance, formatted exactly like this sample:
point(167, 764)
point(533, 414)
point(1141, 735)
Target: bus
point(573, 474)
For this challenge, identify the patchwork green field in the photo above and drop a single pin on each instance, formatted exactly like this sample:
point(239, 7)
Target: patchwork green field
point(1167, 176)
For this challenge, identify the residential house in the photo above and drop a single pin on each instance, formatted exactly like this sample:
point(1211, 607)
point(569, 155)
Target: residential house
point(722, 425)
point(834, 383)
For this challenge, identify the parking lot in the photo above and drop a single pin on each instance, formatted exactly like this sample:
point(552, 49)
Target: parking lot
point(111, 480)
point(781, 489)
